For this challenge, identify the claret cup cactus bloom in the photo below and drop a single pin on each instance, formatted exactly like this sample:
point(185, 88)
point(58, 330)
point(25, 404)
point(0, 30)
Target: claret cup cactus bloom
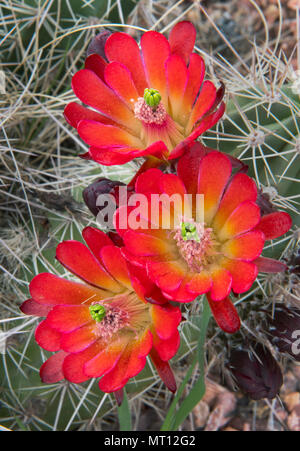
point(103, 326)
point(185, 255)
point(144, 101)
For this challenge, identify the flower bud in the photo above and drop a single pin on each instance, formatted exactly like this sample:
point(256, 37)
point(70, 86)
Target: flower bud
point(97, 44)
point(256, 372)
point(284, 328)
point(264, 203)
point(95, 189)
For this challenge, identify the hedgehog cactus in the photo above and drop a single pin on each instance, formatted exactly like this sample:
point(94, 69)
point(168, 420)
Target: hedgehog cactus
point(261, 126)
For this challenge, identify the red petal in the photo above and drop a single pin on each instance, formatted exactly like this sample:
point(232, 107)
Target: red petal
point(204, 102)
point(243, 274)
point(143, 346)
point(207, 122)
point(143, 285)
point(122, 48)
point(65, 318)
point(221, 284)
point(269, 265)
point(176, 205)
point(121, 221)
point(97, 64)
point(166, 349)
point(171, 184)
point(156, 50)
point(200, 283)
point(150, 163)
point(214, 173)
point(275, 224)
point(137, 217)
point(49, 289)
point(182, 39)
point(47, 338)
point(156, 296)
point(244, 218)
point(96, 239)
point(129, 365)
point(241, 189)
point(182, 294)
point(158, 149)
point(74, 113)
point(30, 307)
point(120, 80)
point(245, 247)
point(188, 166)
point(167, 275)
point(196, 72)
point(78, 259)
point(108, 156)
point(51, 370)
point(115, 264)
point(93, 92)
point(74, 363)
point(97, 134)
point(141, 262)
point(148, 181)
point(78, 339)
point(219, 96)
point(164, 370)
point(143, 244)
point(225, 314)
point(106, 360)
point(176, 78)
point(165, 320)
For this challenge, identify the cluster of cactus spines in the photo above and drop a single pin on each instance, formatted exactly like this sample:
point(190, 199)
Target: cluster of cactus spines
point(39, 157)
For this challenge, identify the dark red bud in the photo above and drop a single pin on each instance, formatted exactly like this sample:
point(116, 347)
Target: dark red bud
point(256, 372)
point(95, 189)
point(264, 203)
point(97, 44)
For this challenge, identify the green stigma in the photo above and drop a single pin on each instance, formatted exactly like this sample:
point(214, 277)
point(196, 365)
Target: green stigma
point(152, 97)
point(189, 232)
point(97, 312)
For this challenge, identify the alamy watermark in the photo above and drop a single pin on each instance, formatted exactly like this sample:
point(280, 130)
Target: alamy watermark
point(296, 343)
point(154, 211)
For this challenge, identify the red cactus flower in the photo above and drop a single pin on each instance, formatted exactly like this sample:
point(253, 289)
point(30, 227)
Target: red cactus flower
point(149, 100)
point(213, 255)
point(103, 327)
